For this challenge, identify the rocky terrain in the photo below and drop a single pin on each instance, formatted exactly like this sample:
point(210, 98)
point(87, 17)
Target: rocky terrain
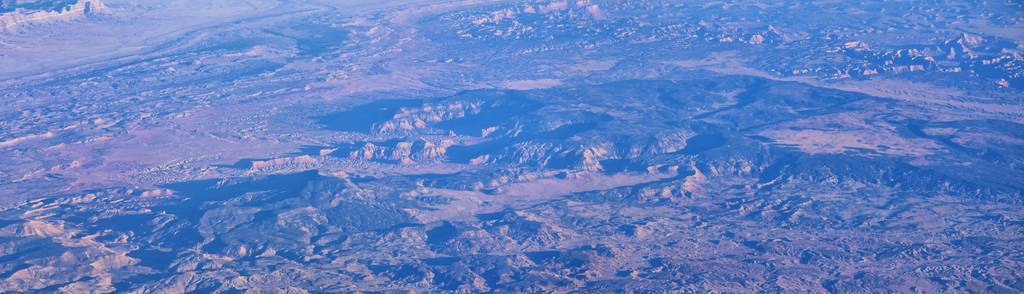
point(489, 146)
point(16, 15)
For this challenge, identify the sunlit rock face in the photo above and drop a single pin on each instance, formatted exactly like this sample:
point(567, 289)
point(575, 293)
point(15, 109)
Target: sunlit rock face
point(484, 146)
point(18, 14)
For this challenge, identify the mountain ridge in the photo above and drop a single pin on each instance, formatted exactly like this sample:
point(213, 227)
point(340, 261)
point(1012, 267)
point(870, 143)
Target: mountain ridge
point(21, 17)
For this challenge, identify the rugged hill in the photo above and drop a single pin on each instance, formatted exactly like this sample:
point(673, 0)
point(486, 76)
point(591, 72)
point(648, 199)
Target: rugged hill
point(15, 14)
point(591, 187)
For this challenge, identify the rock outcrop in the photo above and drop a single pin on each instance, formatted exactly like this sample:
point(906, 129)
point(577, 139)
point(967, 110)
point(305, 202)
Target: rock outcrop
point(12, 21)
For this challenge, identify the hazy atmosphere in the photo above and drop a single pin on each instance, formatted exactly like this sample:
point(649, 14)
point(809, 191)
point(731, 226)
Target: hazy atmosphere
point(592, 146)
